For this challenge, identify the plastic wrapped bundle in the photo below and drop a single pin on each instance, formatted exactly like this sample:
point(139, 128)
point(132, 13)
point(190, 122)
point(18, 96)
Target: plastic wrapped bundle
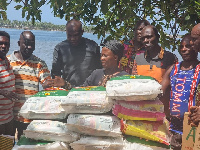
point(150, 130)
point(45, 105)
point(135, 143)
point(152, 110)
point(49, 146)
point(133, 88)
point(97, 125)
point(50, 131)
point(98, 143)
point(87, 100)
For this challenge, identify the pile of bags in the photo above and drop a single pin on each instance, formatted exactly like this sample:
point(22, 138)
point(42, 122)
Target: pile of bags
point(136, 103)
point(90, 118)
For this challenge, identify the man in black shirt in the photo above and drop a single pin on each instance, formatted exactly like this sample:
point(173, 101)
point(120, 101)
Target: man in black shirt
point(75, 58)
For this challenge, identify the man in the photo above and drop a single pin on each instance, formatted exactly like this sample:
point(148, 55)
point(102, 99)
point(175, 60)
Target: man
point(155, 60)
point(29, 71)
point(182, 78)
point(75, 58)
point(133, 47)
point(194, 116)
point(7, 87)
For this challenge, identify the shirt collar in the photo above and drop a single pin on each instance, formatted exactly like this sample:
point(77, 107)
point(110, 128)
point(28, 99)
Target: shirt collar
point(159, 56)
point(14, 58)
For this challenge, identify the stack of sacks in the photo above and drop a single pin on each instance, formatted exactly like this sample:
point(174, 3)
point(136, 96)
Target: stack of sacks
point(101, 129)
point(136, 102)
point(45, 105)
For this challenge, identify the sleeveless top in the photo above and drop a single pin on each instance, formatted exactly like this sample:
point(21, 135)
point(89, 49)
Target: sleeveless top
point(182, 96)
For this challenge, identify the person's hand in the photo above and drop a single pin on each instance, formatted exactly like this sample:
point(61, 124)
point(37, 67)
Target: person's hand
point(48, 83)
point(194, 116)
point(58, 81)
point(10, 95)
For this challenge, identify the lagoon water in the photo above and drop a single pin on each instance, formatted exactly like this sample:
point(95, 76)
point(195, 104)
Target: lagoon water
point(45, 41)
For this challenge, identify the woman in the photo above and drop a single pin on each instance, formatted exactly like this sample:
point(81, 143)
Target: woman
point(133, 47)
point(111, 53)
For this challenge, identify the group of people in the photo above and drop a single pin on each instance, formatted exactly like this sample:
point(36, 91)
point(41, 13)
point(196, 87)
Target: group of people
point(77, 61)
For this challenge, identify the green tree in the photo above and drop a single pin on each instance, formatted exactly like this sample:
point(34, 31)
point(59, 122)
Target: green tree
point(118, 17)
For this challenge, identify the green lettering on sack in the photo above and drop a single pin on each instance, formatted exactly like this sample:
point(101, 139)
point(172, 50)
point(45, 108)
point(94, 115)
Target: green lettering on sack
point(191, 133)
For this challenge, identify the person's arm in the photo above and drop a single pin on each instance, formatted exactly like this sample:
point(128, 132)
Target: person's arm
point(56, 64)
point(166, 90)
point(44, 76)
point(134, 69)
point(88, 81)
point(98, 58)
point(9, 95)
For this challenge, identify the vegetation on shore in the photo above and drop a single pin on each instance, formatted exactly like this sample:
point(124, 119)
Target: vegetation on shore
point(28, 25)
point(117, 17)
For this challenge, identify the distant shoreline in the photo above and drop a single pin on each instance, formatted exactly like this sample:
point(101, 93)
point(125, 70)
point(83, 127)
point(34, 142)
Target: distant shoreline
point(45, 26)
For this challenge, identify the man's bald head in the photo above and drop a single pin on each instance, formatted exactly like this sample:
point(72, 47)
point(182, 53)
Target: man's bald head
point(74, 32)
point(195, 34)
point(73, 25)
point(196, 30)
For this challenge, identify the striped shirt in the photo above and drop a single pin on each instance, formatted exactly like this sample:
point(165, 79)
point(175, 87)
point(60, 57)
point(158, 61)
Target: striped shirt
point(7, 82)
point(28, 75)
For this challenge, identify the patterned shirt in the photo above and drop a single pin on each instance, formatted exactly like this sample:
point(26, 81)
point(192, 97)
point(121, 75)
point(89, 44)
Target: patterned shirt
point(28, 75)
point(7, 82)
point(127, 61)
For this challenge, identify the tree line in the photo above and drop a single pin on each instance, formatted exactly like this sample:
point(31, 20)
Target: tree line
point(28, 25)
point(118, 17)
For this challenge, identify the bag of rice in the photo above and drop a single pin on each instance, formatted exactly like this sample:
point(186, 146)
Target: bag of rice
point(87, 100)
point(50, 131)
point(97, 125)
point(45, 105)
point(98, 143)
point(49, 146)
point(133, 88)
point(132, 142)
point(151, 130)
point(152, 110)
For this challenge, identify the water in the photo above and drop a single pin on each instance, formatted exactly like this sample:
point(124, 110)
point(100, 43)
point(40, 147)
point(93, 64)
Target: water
point(45, 41)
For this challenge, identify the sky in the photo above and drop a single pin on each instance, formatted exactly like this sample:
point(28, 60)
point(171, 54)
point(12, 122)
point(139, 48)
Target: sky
point(46, 16)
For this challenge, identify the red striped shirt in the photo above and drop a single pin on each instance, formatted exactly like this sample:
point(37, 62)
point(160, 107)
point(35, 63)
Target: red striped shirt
point(7, 82)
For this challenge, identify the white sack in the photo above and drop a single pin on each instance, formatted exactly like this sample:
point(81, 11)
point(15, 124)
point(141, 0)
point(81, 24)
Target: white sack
point(50, 131)
point(43, 108)
point(87, 101)
point(133, 89)
point(50, 146)
point(98, 143)
point(97, 125)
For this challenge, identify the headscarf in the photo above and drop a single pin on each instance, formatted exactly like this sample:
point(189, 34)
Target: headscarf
point(115, 46)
